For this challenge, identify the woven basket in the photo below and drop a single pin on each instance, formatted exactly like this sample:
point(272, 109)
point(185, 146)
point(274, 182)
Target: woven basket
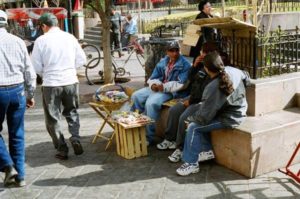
point(112, 106)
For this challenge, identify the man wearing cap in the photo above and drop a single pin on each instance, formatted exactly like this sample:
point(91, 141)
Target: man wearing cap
point(115, 31)
point(16, 76)
point(167, 81)
point(55, 57)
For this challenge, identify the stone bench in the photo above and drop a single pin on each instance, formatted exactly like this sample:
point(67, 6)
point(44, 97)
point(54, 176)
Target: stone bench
point(260, 145)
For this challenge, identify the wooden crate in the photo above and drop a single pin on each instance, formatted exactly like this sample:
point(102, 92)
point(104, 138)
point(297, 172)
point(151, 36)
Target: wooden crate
point(131, 140)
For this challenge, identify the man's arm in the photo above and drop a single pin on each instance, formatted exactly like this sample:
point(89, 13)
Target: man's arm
point(80, 57)
point(36, 58)
point(29, 74)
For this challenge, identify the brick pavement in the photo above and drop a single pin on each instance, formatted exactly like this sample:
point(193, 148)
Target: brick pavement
point(103, 174)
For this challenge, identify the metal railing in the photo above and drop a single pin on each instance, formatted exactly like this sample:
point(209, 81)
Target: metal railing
point(264, 54)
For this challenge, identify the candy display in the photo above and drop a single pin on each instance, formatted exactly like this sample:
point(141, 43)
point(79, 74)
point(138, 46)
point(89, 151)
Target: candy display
point(130, 117)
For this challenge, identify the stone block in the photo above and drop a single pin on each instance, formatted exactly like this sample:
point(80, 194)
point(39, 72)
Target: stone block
point(260, 145)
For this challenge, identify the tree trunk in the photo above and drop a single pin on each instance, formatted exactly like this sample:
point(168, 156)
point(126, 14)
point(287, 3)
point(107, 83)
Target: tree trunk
point(108, 77)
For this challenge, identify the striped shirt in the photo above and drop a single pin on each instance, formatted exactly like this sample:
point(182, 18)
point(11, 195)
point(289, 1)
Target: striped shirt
point(15, 63)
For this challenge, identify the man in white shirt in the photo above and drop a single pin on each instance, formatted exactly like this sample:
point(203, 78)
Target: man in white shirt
point(55, 57)
point(17, 85)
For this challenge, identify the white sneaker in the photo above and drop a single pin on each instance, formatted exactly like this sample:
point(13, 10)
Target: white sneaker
point(166, 144)
point(187, 169)
point(175, 156)
point(206, 155)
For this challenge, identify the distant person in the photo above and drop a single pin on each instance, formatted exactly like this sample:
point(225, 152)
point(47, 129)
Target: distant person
point(55, 57)
point(246, 17)
point(130, 30)
point(115, 34)
point(167, 81)
point(17, 85)
point(207, 34)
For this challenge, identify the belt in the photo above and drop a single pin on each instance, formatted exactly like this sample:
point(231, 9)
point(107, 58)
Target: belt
point(10, 86)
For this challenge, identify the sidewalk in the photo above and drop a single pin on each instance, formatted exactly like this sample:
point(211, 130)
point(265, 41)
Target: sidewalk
point(103, 174)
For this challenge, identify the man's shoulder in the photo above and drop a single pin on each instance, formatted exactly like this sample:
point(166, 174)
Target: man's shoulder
point(13, 38)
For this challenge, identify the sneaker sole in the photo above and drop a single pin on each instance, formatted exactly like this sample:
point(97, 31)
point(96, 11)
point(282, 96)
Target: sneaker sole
point(205, 159)
point(173, 160)
point(196, 171)
point(77, 148)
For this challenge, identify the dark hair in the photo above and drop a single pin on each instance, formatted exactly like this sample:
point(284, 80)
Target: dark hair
point(202, 4)
point(209, 47)
point(48, 19)
point(214, 63)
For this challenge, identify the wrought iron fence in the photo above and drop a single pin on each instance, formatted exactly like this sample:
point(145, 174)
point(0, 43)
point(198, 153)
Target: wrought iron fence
point(271, 6)
point(264, 54)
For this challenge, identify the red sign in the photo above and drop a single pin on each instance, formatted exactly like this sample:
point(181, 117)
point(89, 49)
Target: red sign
point(23, 14)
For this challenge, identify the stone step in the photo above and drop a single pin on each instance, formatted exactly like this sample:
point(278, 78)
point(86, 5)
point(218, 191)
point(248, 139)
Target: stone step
point(91, 41)
point(96, 28)
point(261, 144)
point(93, 37)
point(91, 32)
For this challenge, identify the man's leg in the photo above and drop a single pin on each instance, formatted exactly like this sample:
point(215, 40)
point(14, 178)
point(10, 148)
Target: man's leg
point(70, 103)
point(52, 104)
point(15, 124)
point(139, 99)
point(5, 159)
point(198, 139)
point(118, 43)
point(153, 108)
point(173, 119)
point(181, 130)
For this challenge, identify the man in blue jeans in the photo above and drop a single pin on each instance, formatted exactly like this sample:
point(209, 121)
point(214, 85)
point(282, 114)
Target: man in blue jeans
point(16, 76)
point(168, 81)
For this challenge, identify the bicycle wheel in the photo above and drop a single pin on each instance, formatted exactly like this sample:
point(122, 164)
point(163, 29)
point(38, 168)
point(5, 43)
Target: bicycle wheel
point(94, 75)
point(93, 55)
point(141, 59)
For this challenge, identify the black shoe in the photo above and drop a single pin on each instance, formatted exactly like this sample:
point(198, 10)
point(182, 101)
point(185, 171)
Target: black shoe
point(10, 174)
point(62, 155)
point(77, 147)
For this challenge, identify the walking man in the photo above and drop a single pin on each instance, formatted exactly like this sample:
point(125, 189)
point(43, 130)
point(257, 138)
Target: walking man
point(55, 57)
point(115, 34)
point(16, 76)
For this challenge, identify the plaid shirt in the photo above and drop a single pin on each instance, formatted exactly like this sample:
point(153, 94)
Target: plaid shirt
point(15, 63)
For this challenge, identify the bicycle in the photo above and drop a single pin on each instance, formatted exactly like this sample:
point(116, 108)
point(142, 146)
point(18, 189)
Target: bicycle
point(92, 74)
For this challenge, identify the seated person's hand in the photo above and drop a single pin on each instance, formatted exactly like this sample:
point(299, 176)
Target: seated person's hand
point(157, 87)
point(160, 88)
point(198, 60)
point(186, 103)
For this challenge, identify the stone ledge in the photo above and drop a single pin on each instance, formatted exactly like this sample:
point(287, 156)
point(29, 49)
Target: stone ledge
point(260, 145)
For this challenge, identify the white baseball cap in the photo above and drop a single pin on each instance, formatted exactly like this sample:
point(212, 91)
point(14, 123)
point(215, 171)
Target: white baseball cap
point(3, 17)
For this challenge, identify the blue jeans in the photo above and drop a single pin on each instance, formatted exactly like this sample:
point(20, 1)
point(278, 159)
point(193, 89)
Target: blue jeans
point(13, 105)
point(198, 140)
point(148, 102)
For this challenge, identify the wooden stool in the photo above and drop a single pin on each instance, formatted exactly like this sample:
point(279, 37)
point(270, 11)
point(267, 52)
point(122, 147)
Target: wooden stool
point(105, 114)
point(131, 140)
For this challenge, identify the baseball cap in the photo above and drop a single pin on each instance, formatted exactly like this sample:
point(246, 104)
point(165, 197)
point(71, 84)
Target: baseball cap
point(3, 17)
point(172, 45)
point(48, 19)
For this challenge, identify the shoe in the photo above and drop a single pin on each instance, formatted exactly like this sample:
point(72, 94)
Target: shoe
point(187, 169)
point(166, 145)
point(10, 174)
point(62, 155)
point(20, 183)
point(175, 156)
point(77, 147)
point(120, 55)
point(206, 155)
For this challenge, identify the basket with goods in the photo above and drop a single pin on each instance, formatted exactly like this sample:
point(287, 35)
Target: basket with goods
point(112, 96)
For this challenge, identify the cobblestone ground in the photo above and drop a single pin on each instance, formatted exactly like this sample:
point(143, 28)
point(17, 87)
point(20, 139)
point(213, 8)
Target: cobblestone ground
point(103, 174)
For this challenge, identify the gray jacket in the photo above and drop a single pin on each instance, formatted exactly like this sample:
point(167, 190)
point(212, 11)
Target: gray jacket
point(229, 110)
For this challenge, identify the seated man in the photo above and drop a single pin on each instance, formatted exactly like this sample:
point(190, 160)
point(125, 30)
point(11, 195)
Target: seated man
point(167, 81)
